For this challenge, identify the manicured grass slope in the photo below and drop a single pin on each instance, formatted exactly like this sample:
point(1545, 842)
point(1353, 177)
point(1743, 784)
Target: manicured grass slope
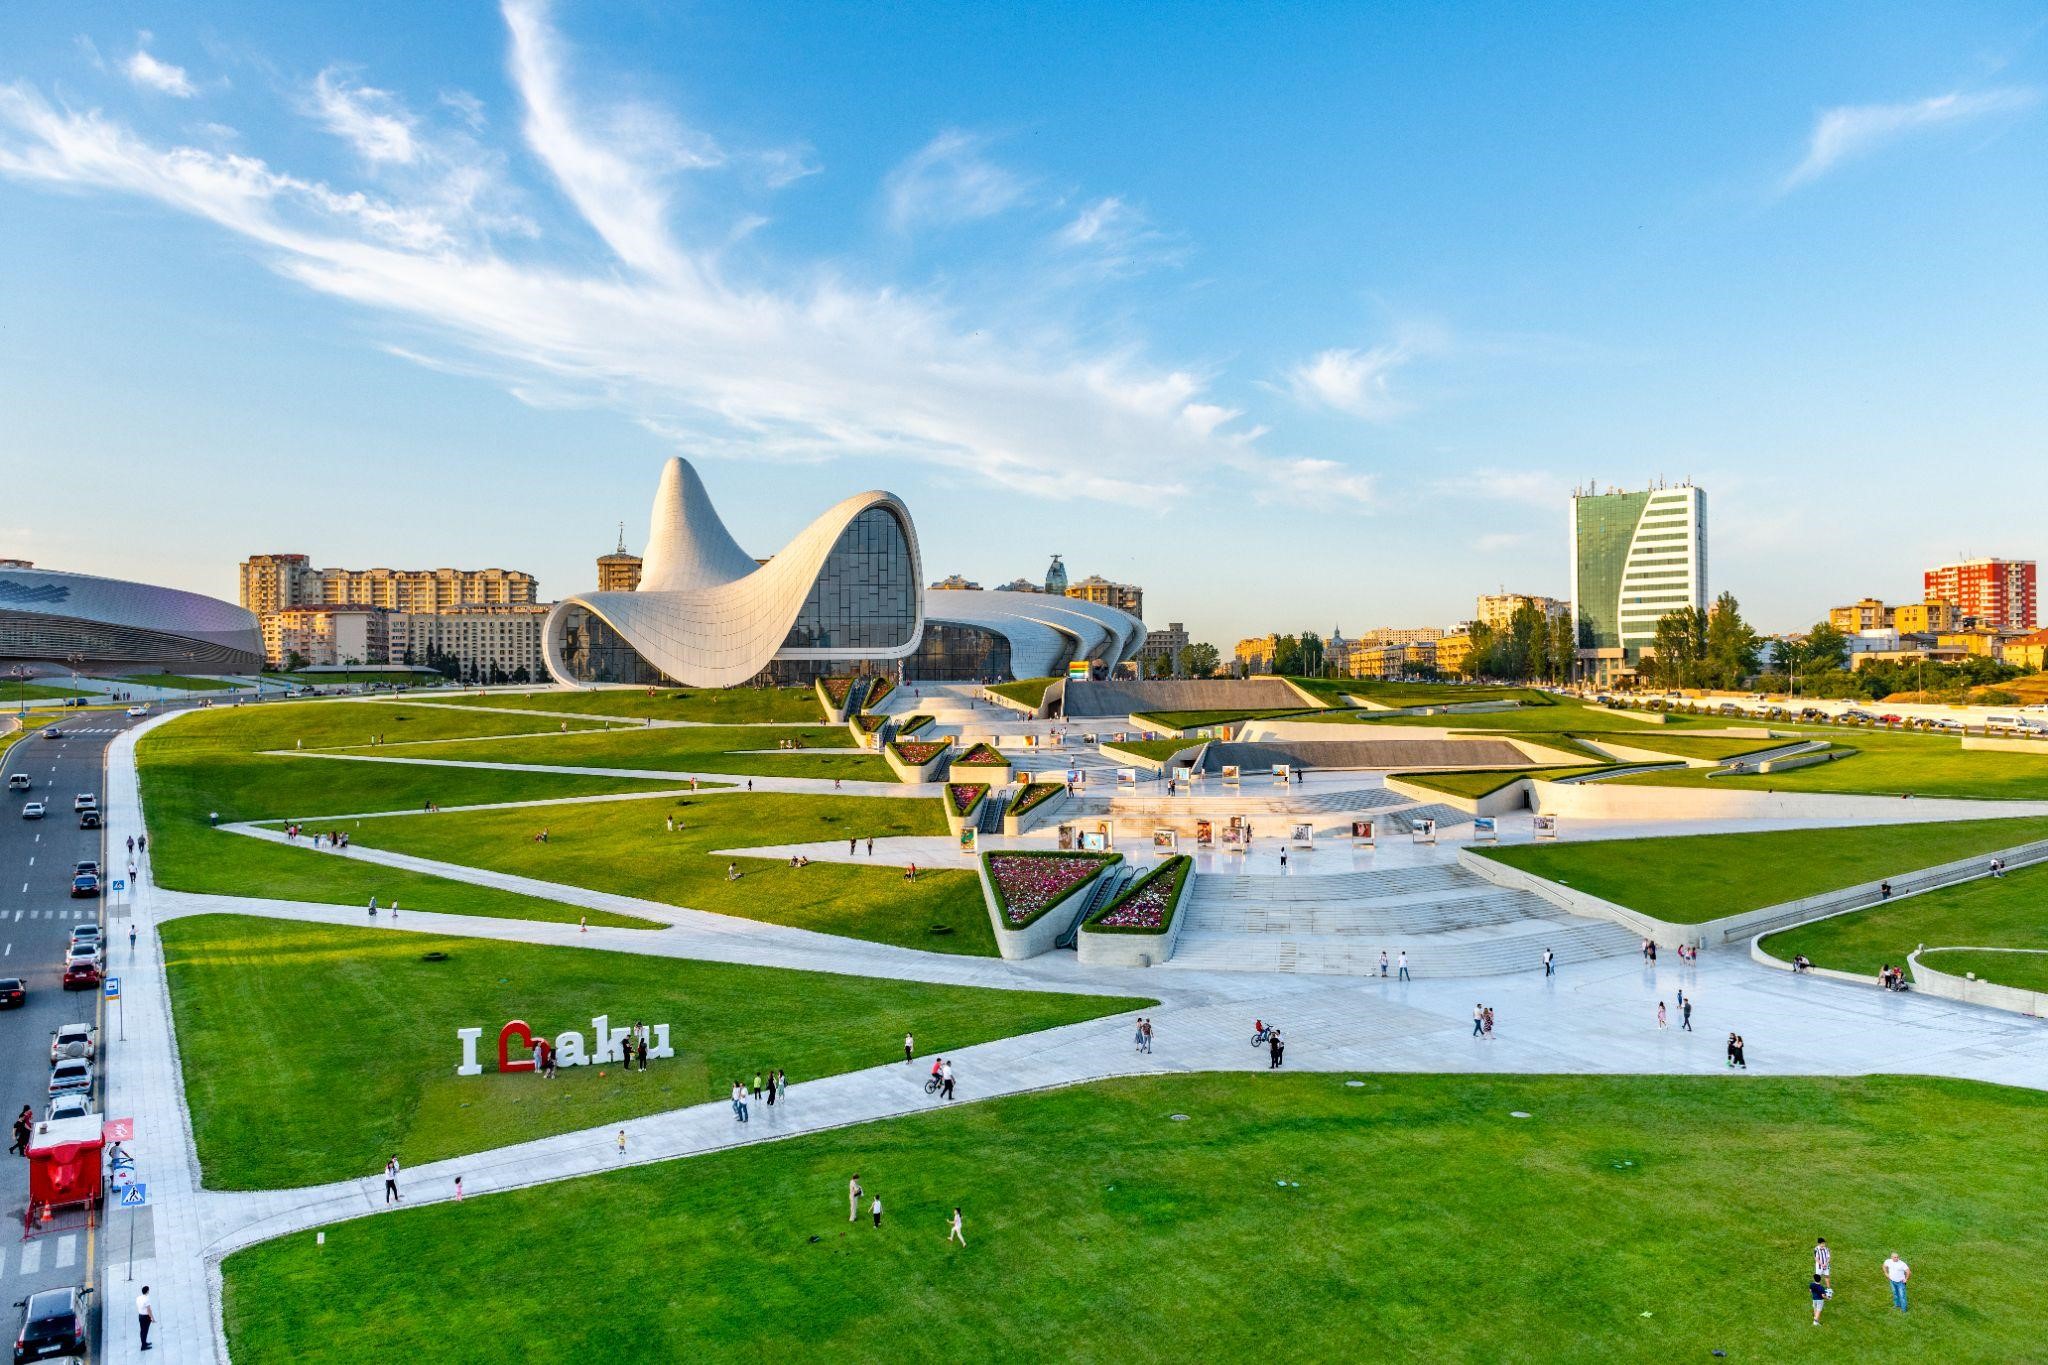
point(177, 681)
point(1029, 691)
point(1420, 1222)
point(211, 762)
point(1700, 877)
point(1894, 765)
point(14, 692)
point(724, 706)
point(1991, 912)
point(626, 847)
point(1482, 782)
point(708, 748)
point(312, 1052)
point(2028, 971)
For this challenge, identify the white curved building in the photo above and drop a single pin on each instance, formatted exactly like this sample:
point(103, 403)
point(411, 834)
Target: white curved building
point(52, 621)
point(845, 595)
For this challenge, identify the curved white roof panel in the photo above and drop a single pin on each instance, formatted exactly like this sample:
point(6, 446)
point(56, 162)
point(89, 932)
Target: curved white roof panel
point(707, 615)
point(1044, 631)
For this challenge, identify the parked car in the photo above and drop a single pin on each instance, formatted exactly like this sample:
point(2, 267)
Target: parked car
point(69, 1107)
point(18, 782)
point(85, 933)
point(13, 993)
point(85, 801)
point(89, 820)
point(85, 884)
point(52, 1325)
point(32, 811)
point(85, 865)
point(81, 975)
point(74, 1042)
point(72, 1077)
point(82, 952)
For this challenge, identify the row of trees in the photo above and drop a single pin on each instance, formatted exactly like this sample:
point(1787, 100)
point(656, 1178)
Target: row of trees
point(1532, 646)
point(1711, 648)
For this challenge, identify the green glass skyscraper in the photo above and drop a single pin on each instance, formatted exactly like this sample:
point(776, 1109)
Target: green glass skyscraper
point(1635, 556)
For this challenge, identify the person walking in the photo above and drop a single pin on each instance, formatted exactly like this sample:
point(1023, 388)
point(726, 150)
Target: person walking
point(1138, 1036)
point(1478, 1019)
point(909, 1048)
point(1488, 1033)
point(953, 1233)
point(875, 1210)
point(1549, 963)
point(622, 1142)
point(853, 1194)
point(1820, 1291)
point(1145, 1028)
point(871, 845)
point(641, 1050)
point(1660, 1015)
point(1898, 1272)
point(1274, 1048)
point(145, 1315)
point(1383, 962)
point(391, 1194)
point(739, 1102)
point(782, 1085)
point(373, 907)
point(946, 1080)
point(1823, 1262)
point(131, 940)
point(583, 924)
point(1403, 971)
point(1685, 1008)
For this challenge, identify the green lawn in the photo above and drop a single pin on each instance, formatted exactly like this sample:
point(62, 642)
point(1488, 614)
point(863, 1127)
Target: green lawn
point(177, 682)
point(1478, 783)
point(1424, 694)
point(1150, 748)
point(1690, 746)
point(357, 678)
point(313, 1052)
point(211, 762)
point(1189, 720)
point(718, 706)
point(1698, 877)
point(1029, 691)
point(2028, 971)
point(626, 848)
point(697, 748)
point(1884, 764)
point(1991, 912)
point(1290, 1217)
point(11, 693)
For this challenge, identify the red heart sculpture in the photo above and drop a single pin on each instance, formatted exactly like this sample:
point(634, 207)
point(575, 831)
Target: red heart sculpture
point(516, 1029)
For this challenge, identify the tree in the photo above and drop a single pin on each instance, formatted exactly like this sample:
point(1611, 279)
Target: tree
point(1479, 660)
point(294, 661)
point(1564, 646)
point(1199, 660)
point(1731, 644)
point(1286, 656)
point(1681, 646)
point(1825, 648)
point(1528, 643)
point(1311, 664)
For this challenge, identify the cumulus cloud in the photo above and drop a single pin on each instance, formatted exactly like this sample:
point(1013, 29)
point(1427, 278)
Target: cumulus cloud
point(160, 76)
point(804, 365)
point(949, 181)
point(1853, 129)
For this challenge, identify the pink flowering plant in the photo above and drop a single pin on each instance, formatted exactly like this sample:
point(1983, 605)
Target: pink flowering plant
point(870, 724)
point(1027, 885)
point(963, 797)
point(984, 753)
point(912, 724)
point(917, 753)
point(1146, 905)
point(837, 690)
point(1034, 795)
point(881, 688)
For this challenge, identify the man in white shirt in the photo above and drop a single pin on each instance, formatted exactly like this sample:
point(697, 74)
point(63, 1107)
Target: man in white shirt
point(1549, 963)
point(1898, 1272)
point(876, 1209)
point(391, 1195)
point(946, 1079)
point(853, 1200)
point(1402, 971)
point(145, 1315)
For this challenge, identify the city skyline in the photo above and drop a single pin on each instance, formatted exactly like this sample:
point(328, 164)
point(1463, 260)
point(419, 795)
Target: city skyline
point(400, 288)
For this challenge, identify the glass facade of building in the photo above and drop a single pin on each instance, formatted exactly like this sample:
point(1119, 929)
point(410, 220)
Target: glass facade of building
point(595, 653)
point(1602, 529)
point(866, 595)
point(953, 652)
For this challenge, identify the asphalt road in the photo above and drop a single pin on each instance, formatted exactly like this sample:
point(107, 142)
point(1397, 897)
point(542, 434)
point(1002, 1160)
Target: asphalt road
point(37, 913)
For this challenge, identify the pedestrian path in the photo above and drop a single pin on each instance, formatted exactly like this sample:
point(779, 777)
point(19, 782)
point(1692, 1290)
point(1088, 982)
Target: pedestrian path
point(816, 786)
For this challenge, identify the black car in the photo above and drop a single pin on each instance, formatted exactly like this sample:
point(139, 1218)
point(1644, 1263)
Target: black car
point(85, 884)
point(52, 1324)
point(13, 992)
point(89, 819)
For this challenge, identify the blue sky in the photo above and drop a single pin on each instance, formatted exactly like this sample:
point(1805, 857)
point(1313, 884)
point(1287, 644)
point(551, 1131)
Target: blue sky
point(1298, 316)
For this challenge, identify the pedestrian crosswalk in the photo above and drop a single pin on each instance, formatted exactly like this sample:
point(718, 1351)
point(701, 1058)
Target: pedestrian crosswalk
point(57, 1251)
point(65, 914)
point(70, 733)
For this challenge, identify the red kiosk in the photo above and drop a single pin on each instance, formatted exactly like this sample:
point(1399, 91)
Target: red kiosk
point(64, 1163)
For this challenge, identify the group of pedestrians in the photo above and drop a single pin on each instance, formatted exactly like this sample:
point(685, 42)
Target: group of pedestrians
point(1404, 963)
point(853, 847)
point(333, 838)
point(1141, 1036)
point(1482, 1022)
point(1822, 1287)
point(768, 1087)
point(1684, 1013)
point(941, 1081)
point(24, 1126)
point(1892, 978)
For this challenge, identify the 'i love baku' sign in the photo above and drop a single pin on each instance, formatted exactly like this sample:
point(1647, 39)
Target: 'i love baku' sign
point(610, 1046)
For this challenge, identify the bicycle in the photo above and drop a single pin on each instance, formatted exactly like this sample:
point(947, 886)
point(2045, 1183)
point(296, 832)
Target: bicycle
point(1264, 1036)
point(932, 1085)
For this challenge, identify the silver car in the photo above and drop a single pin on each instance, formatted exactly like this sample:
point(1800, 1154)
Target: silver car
point(75, 1105)
point(72, 1077)
point(74, 1042)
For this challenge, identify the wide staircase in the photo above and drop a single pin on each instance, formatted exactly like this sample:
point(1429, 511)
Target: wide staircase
point(1451, 922)
point(1253, 798)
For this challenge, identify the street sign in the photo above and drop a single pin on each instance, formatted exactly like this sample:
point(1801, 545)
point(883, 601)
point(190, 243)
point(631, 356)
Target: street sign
point(118, 1130)
point(134, 1196)
point(111, 988)
point(120, 884)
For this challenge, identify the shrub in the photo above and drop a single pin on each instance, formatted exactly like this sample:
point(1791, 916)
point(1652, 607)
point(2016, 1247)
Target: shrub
point(963, 797)
point(1146, 905)
point(917, 753)
point(1035, 794)
point(880, 688)
point(983, 753)
point(912, 724)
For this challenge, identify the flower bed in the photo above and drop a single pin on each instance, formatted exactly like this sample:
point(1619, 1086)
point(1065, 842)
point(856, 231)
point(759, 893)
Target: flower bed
point(837, 690)
point(912, 724)
point(963, 797)
point(986, 754)
point(917, 753)
point(870, 724)
point(1034, 795)
point(1027, 885)
point(1146, 905)
point(880, 688)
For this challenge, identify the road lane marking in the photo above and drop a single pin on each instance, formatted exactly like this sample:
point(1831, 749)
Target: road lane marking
point(67, 1250)
point(31, 1258)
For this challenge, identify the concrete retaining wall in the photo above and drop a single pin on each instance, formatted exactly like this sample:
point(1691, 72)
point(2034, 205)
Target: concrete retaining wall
point(995, 774)
point(1043, 813)
point(1604, 801)
point(1042, 934)
point(1192, 753)
point(1514, 796)
point(1952, 987)
point(929, 772)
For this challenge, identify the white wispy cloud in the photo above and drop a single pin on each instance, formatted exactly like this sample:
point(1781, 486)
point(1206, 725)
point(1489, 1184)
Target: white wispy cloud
point(1115, 238)
point(1534, 487)
point(1852, 129)
point(153, 74)
point(1350, 380)
point(949, 181)
point(370, 120)
point(801, 365)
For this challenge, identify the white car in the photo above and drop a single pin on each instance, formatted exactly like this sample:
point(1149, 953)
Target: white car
point(138, 710)
point(74, 1106)
point(82, 953)
point(72, 1042)
point(17, 782)
point(85, 801)
point(32, 811)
